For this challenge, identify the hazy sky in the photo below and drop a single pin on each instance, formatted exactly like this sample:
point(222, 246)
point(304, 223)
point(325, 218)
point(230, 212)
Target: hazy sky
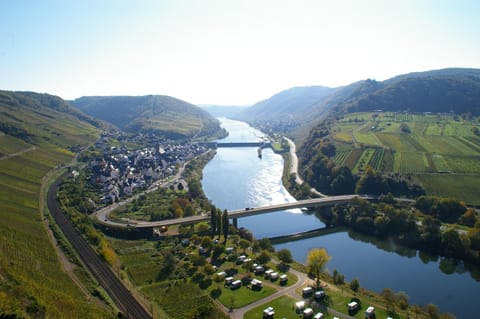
point(227, 52)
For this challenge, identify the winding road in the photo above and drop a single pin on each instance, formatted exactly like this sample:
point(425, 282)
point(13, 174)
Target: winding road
point(290, 291)
point(294, 166)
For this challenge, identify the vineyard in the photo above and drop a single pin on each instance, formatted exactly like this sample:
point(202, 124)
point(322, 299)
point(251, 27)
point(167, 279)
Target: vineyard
point(340, 157)
point(411, 144)
point(440, 164)
point(377, 160)
point(370, 157)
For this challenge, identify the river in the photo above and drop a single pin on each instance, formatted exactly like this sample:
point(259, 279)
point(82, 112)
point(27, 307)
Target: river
point(236, 178)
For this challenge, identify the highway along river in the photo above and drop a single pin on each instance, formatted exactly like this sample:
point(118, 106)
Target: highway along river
point(236, 178)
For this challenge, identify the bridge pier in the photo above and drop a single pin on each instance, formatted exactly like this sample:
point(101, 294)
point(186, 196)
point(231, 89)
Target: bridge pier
point(235, 223)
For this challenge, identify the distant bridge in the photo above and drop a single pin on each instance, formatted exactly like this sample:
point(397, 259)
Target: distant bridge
point(239, 144)
point(233, 214)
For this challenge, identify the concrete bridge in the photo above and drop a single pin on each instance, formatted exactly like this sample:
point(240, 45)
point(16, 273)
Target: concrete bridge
point(103, 219)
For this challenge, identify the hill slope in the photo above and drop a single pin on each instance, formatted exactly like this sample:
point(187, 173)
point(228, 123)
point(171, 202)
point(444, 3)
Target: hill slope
point(222, 110)
point(440, 91)
point(401, 136)
point(164, 115)
point(445, 90)
point(288, 105)
point(36, 132)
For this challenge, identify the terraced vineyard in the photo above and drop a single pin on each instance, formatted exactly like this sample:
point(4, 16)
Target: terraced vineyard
point(413, 144)
point(32, 281)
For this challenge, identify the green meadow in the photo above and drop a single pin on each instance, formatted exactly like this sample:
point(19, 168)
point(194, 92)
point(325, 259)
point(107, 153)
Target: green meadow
point(441, 151)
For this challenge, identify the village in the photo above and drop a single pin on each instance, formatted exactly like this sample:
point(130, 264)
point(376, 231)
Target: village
point(121, 171)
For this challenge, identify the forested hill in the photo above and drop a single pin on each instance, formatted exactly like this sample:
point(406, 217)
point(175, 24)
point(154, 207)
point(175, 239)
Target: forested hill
point(289, 105)
point(440, 91)
point(164, 115)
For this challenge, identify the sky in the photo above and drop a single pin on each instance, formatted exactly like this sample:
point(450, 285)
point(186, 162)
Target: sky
point(227, 52)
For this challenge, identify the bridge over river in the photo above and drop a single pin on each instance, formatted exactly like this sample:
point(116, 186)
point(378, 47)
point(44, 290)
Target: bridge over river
point(102, 216)
point(239, 144)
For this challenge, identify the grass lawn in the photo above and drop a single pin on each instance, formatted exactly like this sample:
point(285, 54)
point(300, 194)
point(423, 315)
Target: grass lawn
point(282, 306)
point(242, 296)
point(339, 301)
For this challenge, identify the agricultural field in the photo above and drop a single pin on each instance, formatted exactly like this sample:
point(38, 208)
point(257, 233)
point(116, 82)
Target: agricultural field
point(410, 162)
point(464, 187)
point(340, 157)
point(370, 157)
point(411, 144)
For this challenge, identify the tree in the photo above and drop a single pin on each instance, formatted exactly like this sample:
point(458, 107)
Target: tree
point(167, 265)
point(208, 269)
point(213, 219)
point(402, 299)
point(244, 244)
point(285, 256)
point(432, 311)
point(453, 245)
point(372, 183)
point(217, 251)
point(355, 285)
point(389, 298)
point(338, 278)
point(188, 211)
point(225, 224)
point(317, 259)
point(206, 243)
point(264, 257)
point(469, 218)
point(266, 244)
point(219, 223)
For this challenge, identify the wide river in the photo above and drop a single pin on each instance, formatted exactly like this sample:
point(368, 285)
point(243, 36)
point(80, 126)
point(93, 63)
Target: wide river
point(236, 178)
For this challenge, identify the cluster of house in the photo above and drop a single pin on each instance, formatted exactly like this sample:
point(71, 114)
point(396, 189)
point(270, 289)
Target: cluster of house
point(120, 171)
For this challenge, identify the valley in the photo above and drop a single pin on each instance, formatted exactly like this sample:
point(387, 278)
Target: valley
point(345, 147)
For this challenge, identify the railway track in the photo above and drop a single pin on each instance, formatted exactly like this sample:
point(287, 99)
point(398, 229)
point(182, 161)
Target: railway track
point(121, 296)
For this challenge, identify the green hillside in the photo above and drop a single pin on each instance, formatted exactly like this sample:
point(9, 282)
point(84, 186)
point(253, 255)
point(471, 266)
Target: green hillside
point(163, 115)
point(443, 93)
point(36, 133)
point(441, 152)
point(297, 110)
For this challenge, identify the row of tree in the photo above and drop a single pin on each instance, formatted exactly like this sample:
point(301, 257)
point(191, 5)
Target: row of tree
point(219, 223)
point(420, 229)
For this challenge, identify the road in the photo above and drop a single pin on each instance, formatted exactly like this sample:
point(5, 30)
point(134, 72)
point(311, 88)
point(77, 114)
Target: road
point(7, 156)
point(294, 166)
point(102, 215)
point(294, 161)
point(120, 295)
